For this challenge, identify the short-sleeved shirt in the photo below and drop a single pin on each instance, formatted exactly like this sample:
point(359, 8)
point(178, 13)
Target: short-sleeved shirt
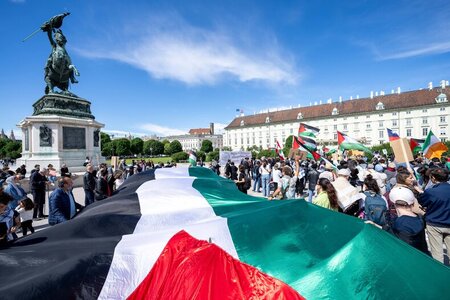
point(322, 200)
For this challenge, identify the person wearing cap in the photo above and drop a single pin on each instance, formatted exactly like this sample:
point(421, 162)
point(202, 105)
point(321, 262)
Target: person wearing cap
point(408, 226)
point(378, 174)
point(436, 200)
point(328, 173)
point(347, 194)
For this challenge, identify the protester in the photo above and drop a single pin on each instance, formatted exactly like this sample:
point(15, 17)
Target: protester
point(6, 219)
point(38, 181)
point(326, 195)
point(377, 173)
point(312, 177)
point(14, 189)
point(408, 226)
point(276, 176)
point(89, 185)
point(101, 187)
point(63, 206)
point(243, 182)
point(287, 184)
point(265, 170)
point(405, 179)
point(233, 171)
point(257, 177)
point(51, 174)
point(328, 172)
point(25, 209)
point(347, 194)
point(65, 171)
point(375, 205)
point(436, 201)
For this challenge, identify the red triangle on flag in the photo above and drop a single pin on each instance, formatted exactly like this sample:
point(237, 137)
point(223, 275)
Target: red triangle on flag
point(193, 269)
point(295, 143)
point(341, 137)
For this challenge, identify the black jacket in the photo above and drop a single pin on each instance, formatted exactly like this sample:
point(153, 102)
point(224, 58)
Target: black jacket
point(89, 181)
point(37, 181)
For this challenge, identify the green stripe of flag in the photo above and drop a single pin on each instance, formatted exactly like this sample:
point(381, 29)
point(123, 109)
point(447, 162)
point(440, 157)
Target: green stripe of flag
point(320, 253)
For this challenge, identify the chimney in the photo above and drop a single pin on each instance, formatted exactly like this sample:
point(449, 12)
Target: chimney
point(357, 96)
point(381, 93)
point(340, 98)
point(443, 84)
point(392, 91)
point(430, 85)
point(211, 128)
point(310, 104)
point(329, 101)
point(320, 102)
point(376, 94)
point(371, 94)
point(315, 102)
point(399, 90)
point(351, 97)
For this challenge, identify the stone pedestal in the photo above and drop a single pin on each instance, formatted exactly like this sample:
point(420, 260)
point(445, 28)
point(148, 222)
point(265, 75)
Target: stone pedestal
point(62, 130)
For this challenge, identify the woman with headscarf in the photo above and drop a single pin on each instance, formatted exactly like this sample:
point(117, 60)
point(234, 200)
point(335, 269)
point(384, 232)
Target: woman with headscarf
point(14, 190)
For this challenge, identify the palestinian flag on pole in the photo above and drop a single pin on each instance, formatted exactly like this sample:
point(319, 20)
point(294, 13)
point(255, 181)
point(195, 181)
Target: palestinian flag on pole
point(433, 147)
point(311, 153)
point(308, 131)
point(348, 143)
point(279, 151)
point(308, 135)
point(192, 158)
point(392, 135)
point(186, 233)
point(416, 145)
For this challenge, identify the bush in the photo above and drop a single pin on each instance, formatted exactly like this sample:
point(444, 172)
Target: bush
point(207, 146)
point(180, 156)
point(213, 156)
point(201, 155)
point(175, 147)
point(267, 153)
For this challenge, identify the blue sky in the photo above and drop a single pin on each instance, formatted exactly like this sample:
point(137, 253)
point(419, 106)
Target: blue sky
point(163, 67)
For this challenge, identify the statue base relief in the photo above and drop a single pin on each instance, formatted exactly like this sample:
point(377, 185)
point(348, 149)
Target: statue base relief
point(62, 130)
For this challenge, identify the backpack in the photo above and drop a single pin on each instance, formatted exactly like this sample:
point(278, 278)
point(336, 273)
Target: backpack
point(375, 208)
point(247, 183)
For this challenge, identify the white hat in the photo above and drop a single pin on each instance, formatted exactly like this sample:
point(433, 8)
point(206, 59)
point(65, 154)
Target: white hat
point(344, 172)
point(402, 194)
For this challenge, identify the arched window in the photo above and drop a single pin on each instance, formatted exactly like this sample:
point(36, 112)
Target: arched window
point(299, 116)
point(379, 106)
point(242, 123)
point(267, 120)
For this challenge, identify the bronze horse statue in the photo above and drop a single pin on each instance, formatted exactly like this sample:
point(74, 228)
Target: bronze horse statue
point(59, 69)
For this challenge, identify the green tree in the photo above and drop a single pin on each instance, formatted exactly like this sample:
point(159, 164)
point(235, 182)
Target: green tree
point(153, 147)
point(214, 155)
point(12, 149)
point(122, 147)
point(227, 148)
point(180, 156)
point(380, 148)
point(165, 142)
point(137, 146)
point(288, 145)
point(167, 149)
point(201, 155)
point(266, 153)
point(104, 138)
point(107, 149)
point(175, 146)
point(207, 146)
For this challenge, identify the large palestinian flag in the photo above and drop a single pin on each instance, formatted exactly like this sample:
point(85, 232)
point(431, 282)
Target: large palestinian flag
point(179, 233)
point(346, 142)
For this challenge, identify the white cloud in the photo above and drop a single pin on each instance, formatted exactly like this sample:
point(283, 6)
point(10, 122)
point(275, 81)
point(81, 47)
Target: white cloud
point(437, 48)
point(219, 128)
point(161, 130)
point(121, 133)
point(179, 51)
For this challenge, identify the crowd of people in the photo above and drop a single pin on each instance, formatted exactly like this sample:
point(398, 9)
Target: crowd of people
point(17, 210)
point(410, 201)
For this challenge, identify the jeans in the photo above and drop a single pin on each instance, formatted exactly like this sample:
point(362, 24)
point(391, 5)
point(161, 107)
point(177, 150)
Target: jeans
point(257, 184)
point(265, 184)
point(310, 195)
point(89, 197)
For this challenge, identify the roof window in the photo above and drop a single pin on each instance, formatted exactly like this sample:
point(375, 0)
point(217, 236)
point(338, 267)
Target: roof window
point(380, 106)
point(335, 111)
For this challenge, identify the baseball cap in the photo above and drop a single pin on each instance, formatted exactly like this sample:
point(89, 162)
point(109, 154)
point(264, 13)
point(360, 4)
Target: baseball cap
point(402, 194)
point(344, 172)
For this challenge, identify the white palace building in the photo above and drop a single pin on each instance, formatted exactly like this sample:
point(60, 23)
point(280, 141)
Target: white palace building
point(409, 114)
